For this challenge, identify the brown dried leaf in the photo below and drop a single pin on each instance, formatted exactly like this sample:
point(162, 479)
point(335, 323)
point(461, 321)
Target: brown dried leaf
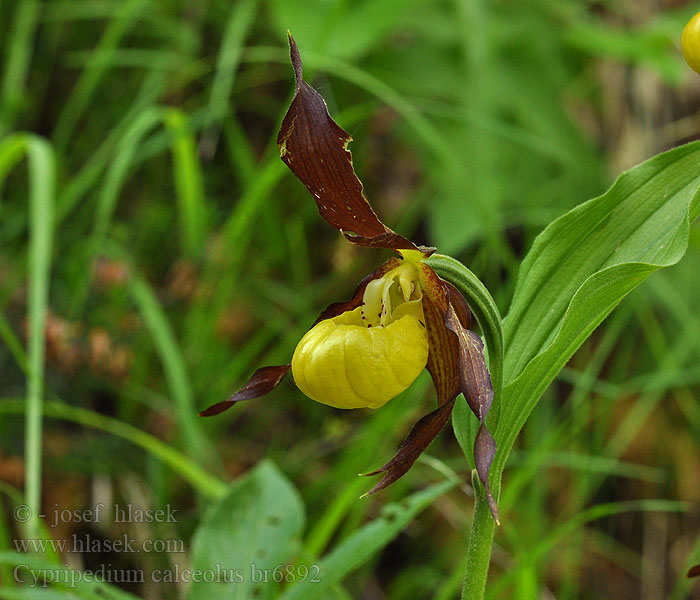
point(315, 148)
point(420, 437)
point(264, 380)
point(693, 572)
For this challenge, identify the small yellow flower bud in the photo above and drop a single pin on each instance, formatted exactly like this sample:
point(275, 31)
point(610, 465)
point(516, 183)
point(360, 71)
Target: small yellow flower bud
point(690, 43)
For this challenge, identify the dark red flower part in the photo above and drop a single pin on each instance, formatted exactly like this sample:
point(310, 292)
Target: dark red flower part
point(315, 148)
point(264, 380)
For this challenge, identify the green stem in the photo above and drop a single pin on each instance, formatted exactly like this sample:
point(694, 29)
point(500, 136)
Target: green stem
point(480, 540)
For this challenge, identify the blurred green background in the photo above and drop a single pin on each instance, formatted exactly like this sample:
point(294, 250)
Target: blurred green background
point(186, 255)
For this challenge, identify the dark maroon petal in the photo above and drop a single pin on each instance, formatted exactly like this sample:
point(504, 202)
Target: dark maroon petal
point(443, 348)
point(264, 380)
point(693, 572)
point(443, 353)
point(315, 148)
point(338, 308)
point(474, 374)
point(477, 389)
point(420, 437)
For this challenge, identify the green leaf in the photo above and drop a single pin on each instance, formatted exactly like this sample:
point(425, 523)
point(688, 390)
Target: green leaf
point(41, 161)
point(642, 219)
point(189, 184)
point(257, 526)
point(364, 543)
point(583, 264)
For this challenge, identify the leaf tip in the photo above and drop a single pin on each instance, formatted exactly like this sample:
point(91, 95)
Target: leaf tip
point(493, 507)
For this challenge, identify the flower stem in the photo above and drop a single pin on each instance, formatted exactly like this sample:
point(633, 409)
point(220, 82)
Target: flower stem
point(479, 550)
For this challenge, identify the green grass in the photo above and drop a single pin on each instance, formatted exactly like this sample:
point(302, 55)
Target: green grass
point(143, 202)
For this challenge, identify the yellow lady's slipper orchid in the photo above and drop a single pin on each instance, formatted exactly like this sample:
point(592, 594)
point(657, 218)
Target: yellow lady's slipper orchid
point(366, 356)
point(690, 43)
point(401, 319)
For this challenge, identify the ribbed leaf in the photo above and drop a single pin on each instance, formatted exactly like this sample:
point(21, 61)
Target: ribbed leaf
point(583, 264)
point(257, 525)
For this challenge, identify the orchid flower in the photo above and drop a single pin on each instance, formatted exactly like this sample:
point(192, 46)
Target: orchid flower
point(401, 319)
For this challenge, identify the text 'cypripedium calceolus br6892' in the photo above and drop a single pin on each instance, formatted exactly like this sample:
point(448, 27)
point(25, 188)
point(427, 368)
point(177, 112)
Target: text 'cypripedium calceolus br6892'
point(402, 318)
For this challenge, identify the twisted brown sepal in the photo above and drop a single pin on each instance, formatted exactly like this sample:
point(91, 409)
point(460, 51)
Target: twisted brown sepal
point(476, 386)
point(443, 350)
point(693, 572)
point(315, 148)
point(264, 380)
point(420, 437)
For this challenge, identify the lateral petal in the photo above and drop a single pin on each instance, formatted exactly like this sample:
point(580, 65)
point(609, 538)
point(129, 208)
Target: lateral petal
point(443, 356)
point(422, 434)
point(264, 380)
point(443, 353)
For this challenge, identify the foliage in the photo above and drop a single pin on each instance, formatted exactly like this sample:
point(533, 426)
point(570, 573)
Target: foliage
point(184, 254)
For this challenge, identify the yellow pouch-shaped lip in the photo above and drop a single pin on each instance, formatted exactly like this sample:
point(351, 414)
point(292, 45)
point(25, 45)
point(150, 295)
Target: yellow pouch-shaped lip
point(343, 363)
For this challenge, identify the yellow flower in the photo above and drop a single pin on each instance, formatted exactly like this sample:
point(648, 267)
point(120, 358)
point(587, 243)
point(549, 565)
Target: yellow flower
point(401, 319)
point(366, 356)
point(690, 43)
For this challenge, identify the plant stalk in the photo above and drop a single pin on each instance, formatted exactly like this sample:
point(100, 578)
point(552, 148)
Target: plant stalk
point(479, 549)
